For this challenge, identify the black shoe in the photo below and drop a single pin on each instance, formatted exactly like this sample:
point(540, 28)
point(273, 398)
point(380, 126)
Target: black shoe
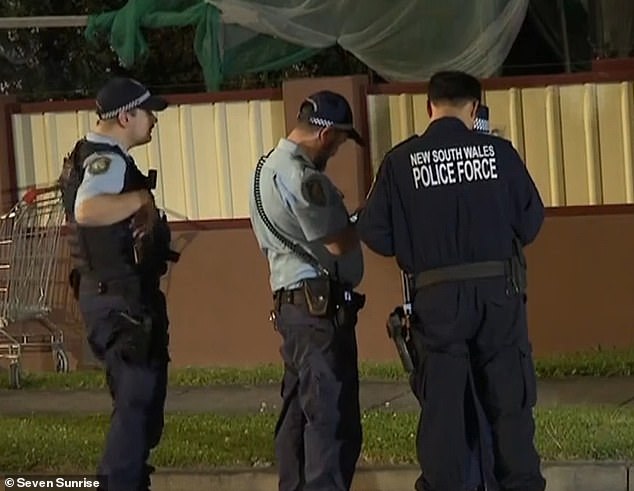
point(145, 479)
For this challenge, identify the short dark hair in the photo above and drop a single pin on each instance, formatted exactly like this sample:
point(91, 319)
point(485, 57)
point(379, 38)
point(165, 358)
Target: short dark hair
point(306, 111)
point(454, 87)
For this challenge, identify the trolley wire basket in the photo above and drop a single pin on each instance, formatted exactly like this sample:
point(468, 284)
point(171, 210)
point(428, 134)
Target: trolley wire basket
point(29, 252)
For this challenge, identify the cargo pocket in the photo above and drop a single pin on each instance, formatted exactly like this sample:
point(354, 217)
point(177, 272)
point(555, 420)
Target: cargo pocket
point(528, 372)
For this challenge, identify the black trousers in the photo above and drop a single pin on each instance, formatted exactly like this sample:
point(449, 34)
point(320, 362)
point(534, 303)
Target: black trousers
point(472, 334)
point(318, 434)
point(138, 390)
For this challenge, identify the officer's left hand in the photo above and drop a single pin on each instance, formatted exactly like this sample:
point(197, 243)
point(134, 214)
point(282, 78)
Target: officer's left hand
point(144, 220)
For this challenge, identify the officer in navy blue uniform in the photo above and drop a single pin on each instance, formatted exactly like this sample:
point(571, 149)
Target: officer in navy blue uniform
point(315, 260)
point(455, 207)
point(120, 245)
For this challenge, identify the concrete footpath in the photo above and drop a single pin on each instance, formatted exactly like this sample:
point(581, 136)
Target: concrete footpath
point(389, 396)
point(561, 476)
point(574, 476)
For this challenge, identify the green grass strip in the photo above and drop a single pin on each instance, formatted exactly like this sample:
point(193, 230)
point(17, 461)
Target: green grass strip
point(48, 443)
point(597, 363)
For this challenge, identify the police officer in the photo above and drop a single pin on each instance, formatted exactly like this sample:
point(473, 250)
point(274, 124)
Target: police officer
point(315, 261)
point(120, 248)
point(456, 207)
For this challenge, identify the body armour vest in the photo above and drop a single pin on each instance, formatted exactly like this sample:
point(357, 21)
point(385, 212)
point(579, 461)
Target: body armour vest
point(101, 252)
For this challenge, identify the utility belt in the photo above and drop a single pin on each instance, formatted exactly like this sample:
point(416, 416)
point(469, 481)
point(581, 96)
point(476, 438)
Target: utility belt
point(513, 269)
point(128, 286)
point(323, 297)
point(135, 336)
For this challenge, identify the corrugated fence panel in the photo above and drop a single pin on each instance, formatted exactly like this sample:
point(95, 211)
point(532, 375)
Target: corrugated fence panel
point(23, 148)
point(380, 134)
point(574, 148)
point(576, 140)
point(204, 174)
point(171, 163)
point(421, 118)
point(204, 153)
point(401, 117)
point(40, 153)
point(505, 109)
point(542, 145)
point(61, 135)
point(627, 121)
point(614, 178)
point(554, 146)
point(239, 146)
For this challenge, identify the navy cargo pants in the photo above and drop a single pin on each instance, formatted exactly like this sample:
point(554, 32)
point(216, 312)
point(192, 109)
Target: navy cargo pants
point(318, 434)
point(479, 457)
point(472, 334)
point(137, 387)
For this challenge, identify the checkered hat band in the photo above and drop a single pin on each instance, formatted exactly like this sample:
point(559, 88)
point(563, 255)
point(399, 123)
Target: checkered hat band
point(481, 125)
point(321, 121)
point(127, 107)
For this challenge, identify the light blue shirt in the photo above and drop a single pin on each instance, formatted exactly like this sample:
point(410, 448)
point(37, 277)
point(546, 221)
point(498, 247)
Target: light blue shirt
point(283, 185)
point(104, 171)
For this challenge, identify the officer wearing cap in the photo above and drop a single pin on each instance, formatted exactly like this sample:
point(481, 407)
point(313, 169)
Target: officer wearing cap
point(119, 246)
point(315, 262)
point(456, 207)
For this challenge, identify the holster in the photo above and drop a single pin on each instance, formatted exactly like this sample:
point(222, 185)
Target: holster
point(328, 298)
point(347, 303)
point(132, 337)
point(397, 331)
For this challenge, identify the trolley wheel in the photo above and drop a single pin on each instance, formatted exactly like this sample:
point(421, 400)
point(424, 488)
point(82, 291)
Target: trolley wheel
point(15, 375)
point(62, 364)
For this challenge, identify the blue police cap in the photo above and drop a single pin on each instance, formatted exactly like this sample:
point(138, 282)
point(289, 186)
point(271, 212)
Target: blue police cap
point(122, 94)
point(328, 109)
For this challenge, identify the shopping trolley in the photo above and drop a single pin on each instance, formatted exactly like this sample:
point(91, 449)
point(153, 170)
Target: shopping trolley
point(29, 248)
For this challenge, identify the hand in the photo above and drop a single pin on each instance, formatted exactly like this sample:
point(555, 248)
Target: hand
point(132, 337)
point(146, 197)
point(144, 219)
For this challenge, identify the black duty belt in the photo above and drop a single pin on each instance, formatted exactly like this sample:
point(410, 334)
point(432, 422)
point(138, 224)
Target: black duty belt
point(296, 296)
point(467, 271)
point(119, 286)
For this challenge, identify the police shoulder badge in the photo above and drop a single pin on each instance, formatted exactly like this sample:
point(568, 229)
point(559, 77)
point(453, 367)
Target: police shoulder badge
point(313, 190)
point(99, 165)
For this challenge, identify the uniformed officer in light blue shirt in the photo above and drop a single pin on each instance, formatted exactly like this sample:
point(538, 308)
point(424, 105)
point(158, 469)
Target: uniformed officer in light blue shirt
point(310, 241)
point(120, 247)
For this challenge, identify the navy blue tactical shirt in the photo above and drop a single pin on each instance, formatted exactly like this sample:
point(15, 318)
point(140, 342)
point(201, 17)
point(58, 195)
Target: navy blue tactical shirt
point(450, 196)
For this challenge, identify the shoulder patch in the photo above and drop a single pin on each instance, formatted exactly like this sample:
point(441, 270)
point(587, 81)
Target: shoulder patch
point(313, 191)
point(98, 165)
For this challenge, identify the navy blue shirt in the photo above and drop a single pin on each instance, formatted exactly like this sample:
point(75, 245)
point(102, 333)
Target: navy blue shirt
point(450, 196)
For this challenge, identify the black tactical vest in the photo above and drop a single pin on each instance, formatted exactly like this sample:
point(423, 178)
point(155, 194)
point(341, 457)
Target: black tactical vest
point(104, 252)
